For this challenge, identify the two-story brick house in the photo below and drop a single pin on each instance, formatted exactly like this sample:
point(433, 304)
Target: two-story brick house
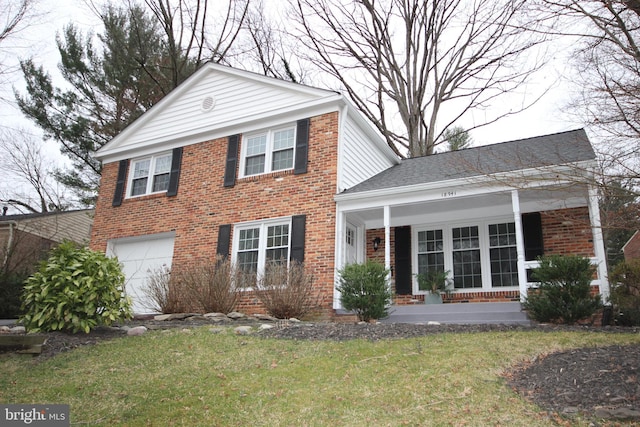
point(251, 167)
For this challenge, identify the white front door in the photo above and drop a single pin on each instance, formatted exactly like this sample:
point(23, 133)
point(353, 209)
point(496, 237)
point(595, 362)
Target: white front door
point(351, 247)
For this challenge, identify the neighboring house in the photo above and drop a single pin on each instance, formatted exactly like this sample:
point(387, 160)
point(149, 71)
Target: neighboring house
point(255, 168)
point(26, 239)
point(631, 249)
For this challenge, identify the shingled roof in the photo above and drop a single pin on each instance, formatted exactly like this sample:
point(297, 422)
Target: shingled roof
point(548, 150)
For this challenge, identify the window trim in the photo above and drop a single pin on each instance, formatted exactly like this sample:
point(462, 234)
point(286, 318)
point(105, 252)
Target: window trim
point(262, 239)
point(485, 258)
point(152, 164)
point(269, 149)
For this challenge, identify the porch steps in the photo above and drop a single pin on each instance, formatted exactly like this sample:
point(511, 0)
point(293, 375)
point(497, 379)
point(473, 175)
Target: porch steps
point(495, 313)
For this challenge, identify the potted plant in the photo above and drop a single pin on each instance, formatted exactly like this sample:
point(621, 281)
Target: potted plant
point(436, 282)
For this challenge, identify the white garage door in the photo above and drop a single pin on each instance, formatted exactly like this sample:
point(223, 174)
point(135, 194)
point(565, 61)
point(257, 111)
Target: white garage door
point(139, 257)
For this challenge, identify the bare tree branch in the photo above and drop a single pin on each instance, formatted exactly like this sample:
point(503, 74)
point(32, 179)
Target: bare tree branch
point(423, 64)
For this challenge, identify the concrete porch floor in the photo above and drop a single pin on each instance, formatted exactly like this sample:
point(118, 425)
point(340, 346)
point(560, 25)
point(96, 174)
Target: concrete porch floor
point(496, 313)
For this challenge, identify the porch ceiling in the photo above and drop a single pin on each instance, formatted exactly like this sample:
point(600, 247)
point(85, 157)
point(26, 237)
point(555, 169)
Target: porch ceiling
point(470, 207)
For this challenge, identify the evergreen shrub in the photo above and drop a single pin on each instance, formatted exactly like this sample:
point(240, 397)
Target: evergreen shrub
point(364, 289)
point(564, 294)
point(75, 289)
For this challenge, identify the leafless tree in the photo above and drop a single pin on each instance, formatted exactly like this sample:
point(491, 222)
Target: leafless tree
point(422, 64)
point(267, 47)
point(192, 36)
point(33, 187)
point(15, 17)
point(606, 36)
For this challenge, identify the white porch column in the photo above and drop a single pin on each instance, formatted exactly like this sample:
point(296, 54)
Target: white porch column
point(522, 272)
point(341, 221)
point(598, 244)
point(387, 237)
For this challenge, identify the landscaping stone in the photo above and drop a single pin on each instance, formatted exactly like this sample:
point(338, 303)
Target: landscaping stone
point(265, 326)
point(181, 316)
point(5, 330)
point(162, 317)
point(215, 315)
point(18, 330)
point(235, 315)
point(137, 331)
point(294, 320)
point(433, 323)
point(216, 330)
point(618, 413)
point(243, 330)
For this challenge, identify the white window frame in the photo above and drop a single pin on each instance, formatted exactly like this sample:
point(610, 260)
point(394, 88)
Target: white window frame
point(485, 261)
point(152, 165)
point(263, 226)
point(269, 149)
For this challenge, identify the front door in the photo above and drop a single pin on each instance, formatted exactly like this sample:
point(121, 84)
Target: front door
point(351, 253)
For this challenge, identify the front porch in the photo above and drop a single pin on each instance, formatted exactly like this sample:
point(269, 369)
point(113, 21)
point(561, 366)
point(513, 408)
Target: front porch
point(493, 313)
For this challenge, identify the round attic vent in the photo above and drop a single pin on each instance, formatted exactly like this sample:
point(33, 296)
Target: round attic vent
point(208, 103)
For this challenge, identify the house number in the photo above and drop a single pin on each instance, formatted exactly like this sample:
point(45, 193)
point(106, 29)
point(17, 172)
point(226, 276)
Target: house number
point(448, 194)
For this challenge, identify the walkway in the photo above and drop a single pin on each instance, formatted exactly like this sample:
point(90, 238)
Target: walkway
point(498, 313)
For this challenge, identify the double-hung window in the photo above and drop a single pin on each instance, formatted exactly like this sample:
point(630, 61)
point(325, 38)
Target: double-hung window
point(259, 243)
point(503, 254)
point(150, 175)
point(430, 252)
point(269, 151)
point(467, 266)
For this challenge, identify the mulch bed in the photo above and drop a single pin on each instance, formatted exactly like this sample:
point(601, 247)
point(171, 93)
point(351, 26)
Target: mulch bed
point(601, 383)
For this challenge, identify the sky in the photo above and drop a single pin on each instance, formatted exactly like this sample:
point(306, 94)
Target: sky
point(38, 42)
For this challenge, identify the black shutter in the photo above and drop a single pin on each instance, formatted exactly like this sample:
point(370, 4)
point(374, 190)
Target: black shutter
point(232, 161)
point(302, 147)
point(224, 240)
point(403, 261)
point(174, 177)
point(120, 182)
point(297, 237)
point(532, 231)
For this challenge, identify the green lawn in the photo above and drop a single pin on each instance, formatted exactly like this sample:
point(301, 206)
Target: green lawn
point(205, 379)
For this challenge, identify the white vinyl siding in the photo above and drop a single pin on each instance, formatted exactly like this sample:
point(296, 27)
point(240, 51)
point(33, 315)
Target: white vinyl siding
point(354, 169)
point(184, 115)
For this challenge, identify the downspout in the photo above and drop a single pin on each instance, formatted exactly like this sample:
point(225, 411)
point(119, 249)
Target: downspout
point(5, 261)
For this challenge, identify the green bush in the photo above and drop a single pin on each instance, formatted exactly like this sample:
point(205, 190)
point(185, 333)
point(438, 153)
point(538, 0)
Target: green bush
point(364, 289)
point(11, 288)
point(564, 294)
point(625, 293)
point(75, 289)
point(286, 291)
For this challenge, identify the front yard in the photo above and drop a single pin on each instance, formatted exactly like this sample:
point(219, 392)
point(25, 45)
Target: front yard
point(199, 378)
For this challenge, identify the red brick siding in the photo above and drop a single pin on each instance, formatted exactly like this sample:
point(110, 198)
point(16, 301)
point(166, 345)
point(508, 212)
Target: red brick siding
point(203, 203)
point(567, 232)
